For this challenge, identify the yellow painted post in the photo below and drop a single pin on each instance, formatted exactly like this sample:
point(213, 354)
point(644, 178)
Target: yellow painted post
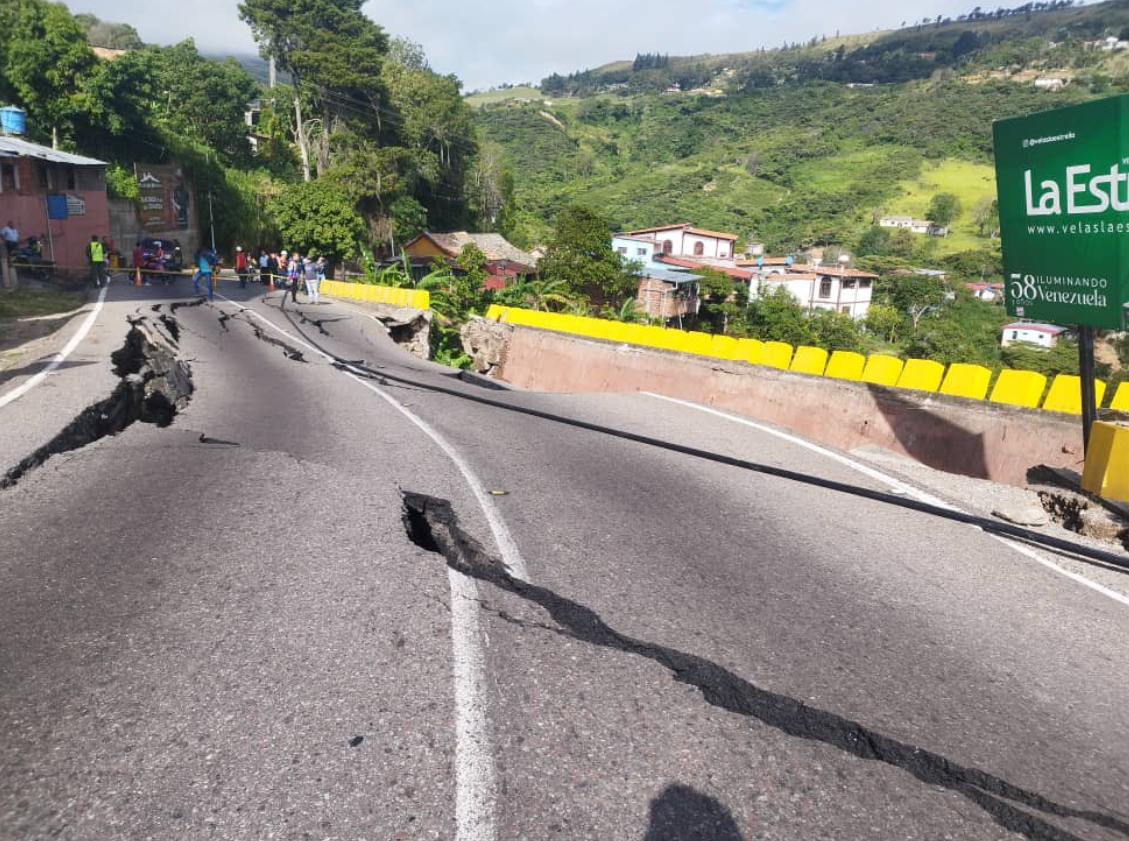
point(724, 347)
point(921, 375)
point(882, 370)
point(1120, 401)
point(965, 380)
point(809, 360)
point(1019, 388)
point(751, 350)
point(1066, 394)
point(777, 355)
point(845, 365)
point(1107, 461)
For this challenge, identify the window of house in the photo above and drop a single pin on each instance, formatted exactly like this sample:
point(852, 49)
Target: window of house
point(71, 182)
point(845, 310)
point(1014, 335)
point(825, 287)
point(642, 252)
point(9, 177)
point(699, 249)
point(622, 249)
point(668, 246)
point(848, 284)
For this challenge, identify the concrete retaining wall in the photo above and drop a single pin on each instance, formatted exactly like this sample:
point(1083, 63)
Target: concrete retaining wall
point(986, 440)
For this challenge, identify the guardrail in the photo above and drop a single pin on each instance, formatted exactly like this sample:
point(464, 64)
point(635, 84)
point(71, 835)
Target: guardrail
point(419, 299)
point(1012, 387)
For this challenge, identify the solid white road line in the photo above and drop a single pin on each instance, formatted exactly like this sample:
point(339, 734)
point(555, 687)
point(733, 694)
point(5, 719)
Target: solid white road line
point(476, 788)
point(898, 487)
point(60, 357)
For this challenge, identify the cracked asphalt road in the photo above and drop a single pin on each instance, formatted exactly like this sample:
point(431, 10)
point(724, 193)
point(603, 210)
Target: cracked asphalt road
point(222, 628)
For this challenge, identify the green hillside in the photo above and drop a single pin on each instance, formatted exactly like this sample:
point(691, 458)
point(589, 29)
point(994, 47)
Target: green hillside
point(786, 156)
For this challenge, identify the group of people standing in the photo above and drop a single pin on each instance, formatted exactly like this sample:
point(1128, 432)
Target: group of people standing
point(293, 270)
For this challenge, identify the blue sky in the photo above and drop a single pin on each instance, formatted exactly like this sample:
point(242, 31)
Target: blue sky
point(492, 41)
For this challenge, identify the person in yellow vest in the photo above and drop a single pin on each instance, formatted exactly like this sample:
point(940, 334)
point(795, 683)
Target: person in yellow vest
point(96, 254)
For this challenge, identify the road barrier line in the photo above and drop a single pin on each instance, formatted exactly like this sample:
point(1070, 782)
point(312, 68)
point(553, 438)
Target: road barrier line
point(475, 778)
point(899, 487)
point(61, 356)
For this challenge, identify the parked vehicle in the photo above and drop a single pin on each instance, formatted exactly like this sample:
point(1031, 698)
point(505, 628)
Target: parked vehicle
point(30, 257)
point(173, 259)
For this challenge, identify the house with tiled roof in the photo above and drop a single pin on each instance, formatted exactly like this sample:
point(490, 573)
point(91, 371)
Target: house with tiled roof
point(504, 261)
point(684, 240)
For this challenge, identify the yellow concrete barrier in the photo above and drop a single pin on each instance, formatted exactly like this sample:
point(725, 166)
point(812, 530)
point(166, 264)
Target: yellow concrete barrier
point(725, 347)
point(777, 355)
point(652, 336)
point(969, 381)
point(809, 360)
point(419, 299)
point(845, 365)
point(1107, 461)
point(1019, 388)
point(1066, 394)
point(1120, 401)
point(699, 343)
point(493, 312)
point(882, 370)
point(921, 375)
point(751, 350)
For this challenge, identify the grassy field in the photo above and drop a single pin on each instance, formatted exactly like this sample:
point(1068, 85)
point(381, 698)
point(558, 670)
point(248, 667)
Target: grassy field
point(970, 181)
point(26, 303)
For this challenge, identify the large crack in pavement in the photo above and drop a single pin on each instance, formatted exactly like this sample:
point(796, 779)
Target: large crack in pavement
point(154, 385)
point(432, 525)
point(288, 350)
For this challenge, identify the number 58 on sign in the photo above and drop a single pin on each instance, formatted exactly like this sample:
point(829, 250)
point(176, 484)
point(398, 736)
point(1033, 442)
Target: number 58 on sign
point(1062, 178)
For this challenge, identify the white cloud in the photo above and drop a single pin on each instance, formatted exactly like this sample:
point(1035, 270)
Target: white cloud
point(493, 41)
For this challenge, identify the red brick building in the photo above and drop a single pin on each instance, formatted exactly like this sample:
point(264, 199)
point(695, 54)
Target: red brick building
point(56, 196)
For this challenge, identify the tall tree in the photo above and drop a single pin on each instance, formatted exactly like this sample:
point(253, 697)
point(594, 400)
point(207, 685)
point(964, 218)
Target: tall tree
point(333, 53)
point(580, 254)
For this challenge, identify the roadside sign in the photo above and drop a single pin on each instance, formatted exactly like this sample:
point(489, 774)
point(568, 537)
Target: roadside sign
point(1062, 179)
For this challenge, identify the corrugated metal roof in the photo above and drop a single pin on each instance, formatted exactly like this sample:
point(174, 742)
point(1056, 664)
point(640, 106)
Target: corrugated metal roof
point(16, 147)
point(668, 276)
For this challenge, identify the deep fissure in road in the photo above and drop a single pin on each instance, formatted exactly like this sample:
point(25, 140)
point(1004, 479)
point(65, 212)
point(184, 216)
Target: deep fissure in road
point(154, 385)
point(432, 525)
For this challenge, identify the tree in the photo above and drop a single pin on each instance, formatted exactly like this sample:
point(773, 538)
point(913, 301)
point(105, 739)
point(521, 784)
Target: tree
point(409, 218)
point(943, 209)
point(912, 295)
point(315, 216)
point(44, 57)
point(778, 317)
point(333, 54)
point(580, 254)
point(883, 321)
point(986, 215)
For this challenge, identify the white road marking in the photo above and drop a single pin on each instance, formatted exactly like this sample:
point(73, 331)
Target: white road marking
point(476, 788)
point(897, 487)
point(60, 357)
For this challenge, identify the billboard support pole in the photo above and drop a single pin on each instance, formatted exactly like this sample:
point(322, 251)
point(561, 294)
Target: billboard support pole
point(1086, 370)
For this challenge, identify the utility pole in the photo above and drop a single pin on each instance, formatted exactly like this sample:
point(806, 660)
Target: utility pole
point(271, 74)
point(211, 220)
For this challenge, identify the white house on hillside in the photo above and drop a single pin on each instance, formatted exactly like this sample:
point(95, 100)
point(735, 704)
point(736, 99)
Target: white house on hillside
point(843, 290)
point(684, 240)
point(1043, 335)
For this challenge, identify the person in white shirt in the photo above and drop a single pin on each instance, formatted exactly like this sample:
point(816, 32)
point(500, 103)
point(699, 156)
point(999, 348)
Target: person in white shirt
point(11, 237)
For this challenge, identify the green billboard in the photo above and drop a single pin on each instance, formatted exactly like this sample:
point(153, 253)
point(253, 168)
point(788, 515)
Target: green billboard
point(1062, 178)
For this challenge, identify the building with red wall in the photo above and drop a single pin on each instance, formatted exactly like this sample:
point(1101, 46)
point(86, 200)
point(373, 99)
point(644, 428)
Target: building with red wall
point(53, 195)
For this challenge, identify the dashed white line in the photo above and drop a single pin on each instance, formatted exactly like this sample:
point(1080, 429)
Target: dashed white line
point(60, 357)
point(898, 487)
